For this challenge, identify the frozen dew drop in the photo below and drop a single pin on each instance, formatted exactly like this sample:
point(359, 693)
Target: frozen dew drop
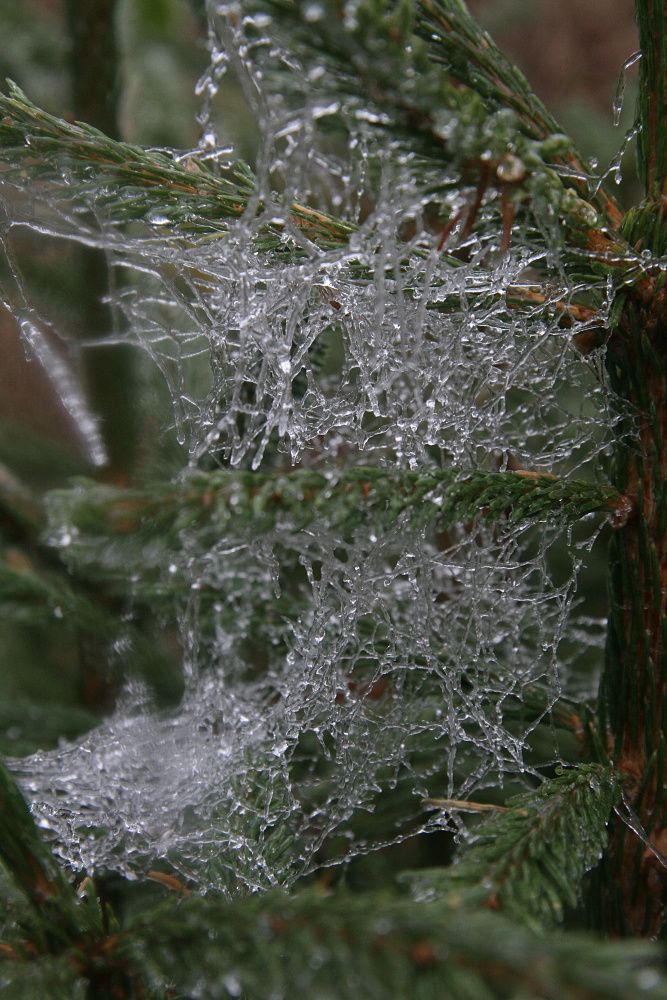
point(158, 219)
point(232, 984)
point(313, 12)
point(208, 139)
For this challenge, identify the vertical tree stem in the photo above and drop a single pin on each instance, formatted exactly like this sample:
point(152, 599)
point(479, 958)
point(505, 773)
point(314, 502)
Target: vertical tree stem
point(108, 370)
point(652, 21)
point(634, 685)
point(633, 701)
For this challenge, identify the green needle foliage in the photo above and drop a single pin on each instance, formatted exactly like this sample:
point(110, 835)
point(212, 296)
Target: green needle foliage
point(130, 183)
point(57, 916)
point(106, 565)
point(380, 946)
point(251, 504)
point(511, 864)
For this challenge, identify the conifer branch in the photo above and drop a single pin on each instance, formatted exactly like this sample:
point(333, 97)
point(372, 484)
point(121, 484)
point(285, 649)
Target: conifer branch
point(184, 197)
point(332, 945)
point(471, 57)
point(390, 949)
point(218, 502)
point(529, 859)
point(129, 183)
point(59, 916)
point(437, 82)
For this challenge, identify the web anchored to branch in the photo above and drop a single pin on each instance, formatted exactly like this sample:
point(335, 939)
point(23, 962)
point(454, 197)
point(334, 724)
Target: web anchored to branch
point(349, 304)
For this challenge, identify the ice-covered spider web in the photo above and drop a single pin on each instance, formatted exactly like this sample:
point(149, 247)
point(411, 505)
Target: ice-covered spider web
point(334, 678)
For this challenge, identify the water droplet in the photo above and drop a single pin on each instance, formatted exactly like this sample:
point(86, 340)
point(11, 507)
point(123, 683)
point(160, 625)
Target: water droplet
point(232, 984)
point(313, 12)
point(208, 139)
point(158, 219)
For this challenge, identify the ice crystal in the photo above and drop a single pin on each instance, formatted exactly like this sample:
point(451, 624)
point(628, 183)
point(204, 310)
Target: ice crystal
point(329, 674)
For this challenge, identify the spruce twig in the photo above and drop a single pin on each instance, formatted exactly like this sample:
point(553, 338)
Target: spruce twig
point(335, 945)
point(529, 859)
point(224, 501)
point(441, 86)
point(471, 57)
point(59, 917)
point(130, 183)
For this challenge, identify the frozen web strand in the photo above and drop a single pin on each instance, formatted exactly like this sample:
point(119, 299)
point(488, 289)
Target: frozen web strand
point(241, 787)
point(619, 94)
point(614, 168)
point(306, 354)
point(37, 344)
point(393, 661)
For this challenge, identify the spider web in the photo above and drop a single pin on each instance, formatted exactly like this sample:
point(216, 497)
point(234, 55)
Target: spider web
point(394, 664)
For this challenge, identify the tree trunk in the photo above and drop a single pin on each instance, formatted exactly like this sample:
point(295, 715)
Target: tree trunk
point(632, 704)
point(108, 370)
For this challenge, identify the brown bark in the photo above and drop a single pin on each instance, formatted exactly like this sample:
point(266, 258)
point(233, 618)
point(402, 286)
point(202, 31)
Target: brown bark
point(635, 680)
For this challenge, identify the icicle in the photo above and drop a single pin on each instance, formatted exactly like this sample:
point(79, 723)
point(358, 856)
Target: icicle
point(70, 393)
point(619, 94)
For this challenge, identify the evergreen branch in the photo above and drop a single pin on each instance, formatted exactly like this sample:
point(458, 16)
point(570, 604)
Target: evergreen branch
point(334, 947)
point(471, 57)
point(143, 542)
point(127, 183)
point(477, 122)
point(27, 726)
point(529, 860)
point(60, 917)
point(376, 946)
point(48, 976)
point(130, 183)
point(219, 502)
